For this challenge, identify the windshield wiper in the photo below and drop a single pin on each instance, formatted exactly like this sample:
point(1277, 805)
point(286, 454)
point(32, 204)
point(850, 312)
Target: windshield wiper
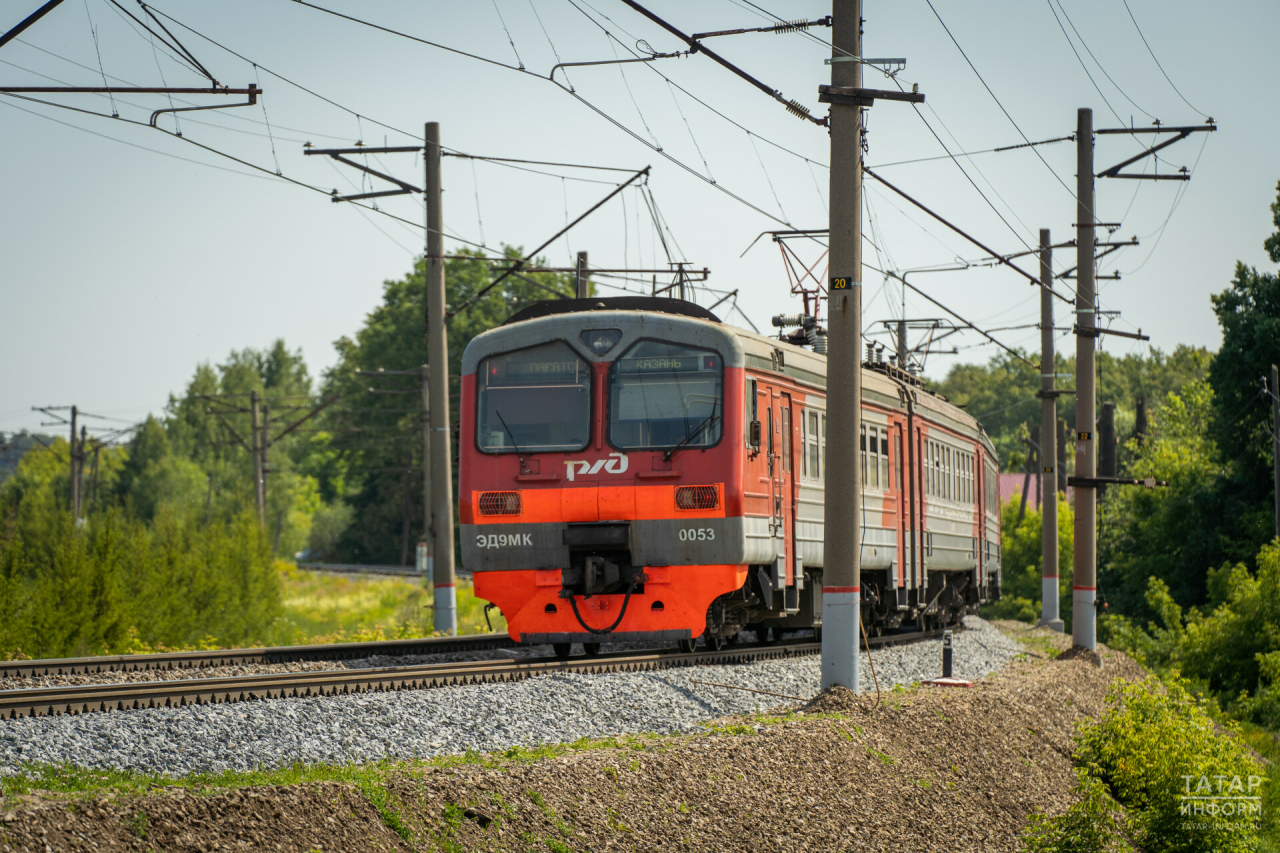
point(524, 469)
point(691, 436)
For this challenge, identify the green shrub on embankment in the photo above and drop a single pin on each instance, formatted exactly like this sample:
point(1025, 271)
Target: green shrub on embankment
point(1157, 775)
point(116, 584)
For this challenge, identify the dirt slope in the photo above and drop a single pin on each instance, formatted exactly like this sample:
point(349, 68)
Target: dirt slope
point(928, 769)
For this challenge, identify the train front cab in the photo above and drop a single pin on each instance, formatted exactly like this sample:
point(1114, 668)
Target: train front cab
point(600, 487)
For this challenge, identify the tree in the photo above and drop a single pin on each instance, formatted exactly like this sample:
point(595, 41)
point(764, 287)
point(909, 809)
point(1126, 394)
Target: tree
point(1002, 393)
point(372, 453)
point(1249, 313)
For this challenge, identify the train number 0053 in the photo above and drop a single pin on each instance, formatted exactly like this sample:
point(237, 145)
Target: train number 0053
point(697, 534)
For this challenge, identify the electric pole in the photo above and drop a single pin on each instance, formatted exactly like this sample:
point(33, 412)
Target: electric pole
point(424, 557)
point(1275, 438)
point(259, 474)
point(842, 521)
point(75, 468)
point(1048, 446)
point(582, 287)
point(441, 530)
point(1085, 577)
point(902, 344)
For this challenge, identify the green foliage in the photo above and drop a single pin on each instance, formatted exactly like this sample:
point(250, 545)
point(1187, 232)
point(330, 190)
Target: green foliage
point(1249, 314)
point(1152, 749)
point(1022, 560)
point(1140, 768)
point(118, 585)
point(1089, 826)
point(1172, 532)
point(1002, 393)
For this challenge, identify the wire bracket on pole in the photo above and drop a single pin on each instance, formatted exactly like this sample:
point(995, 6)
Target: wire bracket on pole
point(1183, 132)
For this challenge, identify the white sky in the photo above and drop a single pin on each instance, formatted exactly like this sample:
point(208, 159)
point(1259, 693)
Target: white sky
point(121, 268)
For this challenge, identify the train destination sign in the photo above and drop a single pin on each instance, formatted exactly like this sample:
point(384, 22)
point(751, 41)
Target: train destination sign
point(669, 364)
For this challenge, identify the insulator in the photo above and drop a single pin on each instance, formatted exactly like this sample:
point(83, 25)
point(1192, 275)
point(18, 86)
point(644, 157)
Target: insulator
point(871, 352)
point(796, 108)
point(793, 26)
point(781, 320)
point(820, 342)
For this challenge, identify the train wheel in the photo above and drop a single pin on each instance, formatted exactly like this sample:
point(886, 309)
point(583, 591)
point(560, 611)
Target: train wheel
point(714, 644)
point(591, 649)
point(561, 649)
point(687, 646)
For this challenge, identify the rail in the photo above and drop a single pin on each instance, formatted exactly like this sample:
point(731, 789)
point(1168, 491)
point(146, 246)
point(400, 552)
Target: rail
point(81, 699)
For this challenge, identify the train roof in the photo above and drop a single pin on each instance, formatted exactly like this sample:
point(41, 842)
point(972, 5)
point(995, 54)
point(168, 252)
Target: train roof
point(747, 348)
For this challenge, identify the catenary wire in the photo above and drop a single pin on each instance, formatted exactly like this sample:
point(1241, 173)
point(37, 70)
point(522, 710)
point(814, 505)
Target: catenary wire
point(1157, 61)
point(993, 96)
point(1085, 44)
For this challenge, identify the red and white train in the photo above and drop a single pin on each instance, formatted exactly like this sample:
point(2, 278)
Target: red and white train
point(632, 468)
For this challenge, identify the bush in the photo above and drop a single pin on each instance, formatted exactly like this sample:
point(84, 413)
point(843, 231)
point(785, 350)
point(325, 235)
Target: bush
point(1093, 825)
point(117, 585)
point(1156, 746)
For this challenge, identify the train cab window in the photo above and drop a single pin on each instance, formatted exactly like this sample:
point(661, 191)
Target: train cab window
point(662, 395)
point(533, 401)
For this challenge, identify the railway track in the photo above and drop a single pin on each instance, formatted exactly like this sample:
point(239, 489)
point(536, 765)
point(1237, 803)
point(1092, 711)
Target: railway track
point(83, 699)
point(238, 657)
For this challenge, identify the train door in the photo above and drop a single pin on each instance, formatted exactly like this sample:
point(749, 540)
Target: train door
point(787, 471)
point(980, 510)
point(901, 506)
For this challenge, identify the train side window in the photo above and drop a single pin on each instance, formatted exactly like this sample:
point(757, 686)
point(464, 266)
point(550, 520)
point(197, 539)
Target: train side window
point(823, 469)
point(814, 469)
point(804, 444)
point(884, 459)
point(786, 435)
point(862, 439)
point(948, 474)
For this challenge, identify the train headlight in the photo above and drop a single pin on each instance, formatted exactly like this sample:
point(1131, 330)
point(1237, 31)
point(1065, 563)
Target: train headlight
point(601, 340)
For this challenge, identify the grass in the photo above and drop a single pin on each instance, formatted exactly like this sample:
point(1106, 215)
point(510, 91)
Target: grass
point(321, 607)
point(79, 781)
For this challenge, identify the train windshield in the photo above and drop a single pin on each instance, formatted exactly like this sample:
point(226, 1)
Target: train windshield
point(533, 401)
point(665, 395)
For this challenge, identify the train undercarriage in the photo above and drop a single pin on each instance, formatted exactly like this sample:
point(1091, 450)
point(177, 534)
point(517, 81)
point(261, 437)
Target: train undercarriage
point(760, 607)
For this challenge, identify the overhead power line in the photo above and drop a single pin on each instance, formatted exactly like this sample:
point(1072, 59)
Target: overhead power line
point(1157, 61)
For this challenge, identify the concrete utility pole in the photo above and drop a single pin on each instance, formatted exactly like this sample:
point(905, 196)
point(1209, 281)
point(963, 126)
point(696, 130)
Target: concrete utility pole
point(441, 531)
point(1049, 608)
point(75, 469)
point(842, 521)
point(82, 456)
point(259, 474)
point(1275, 438)
point(582, 286)
point(902, 344)
point(424, 548)
point(1085, 578)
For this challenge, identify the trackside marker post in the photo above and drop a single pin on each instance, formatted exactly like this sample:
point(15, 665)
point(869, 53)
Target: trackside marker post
point(947, 679)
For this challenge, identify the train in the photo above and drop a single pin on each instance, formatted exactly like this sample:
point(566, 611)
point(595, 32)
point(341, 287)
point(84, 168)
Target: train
point(635, 469)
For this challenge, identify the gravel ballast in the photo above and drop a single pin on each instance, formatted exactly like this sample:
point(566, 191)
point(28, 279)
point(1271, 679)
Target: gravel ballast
point(426, 723)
